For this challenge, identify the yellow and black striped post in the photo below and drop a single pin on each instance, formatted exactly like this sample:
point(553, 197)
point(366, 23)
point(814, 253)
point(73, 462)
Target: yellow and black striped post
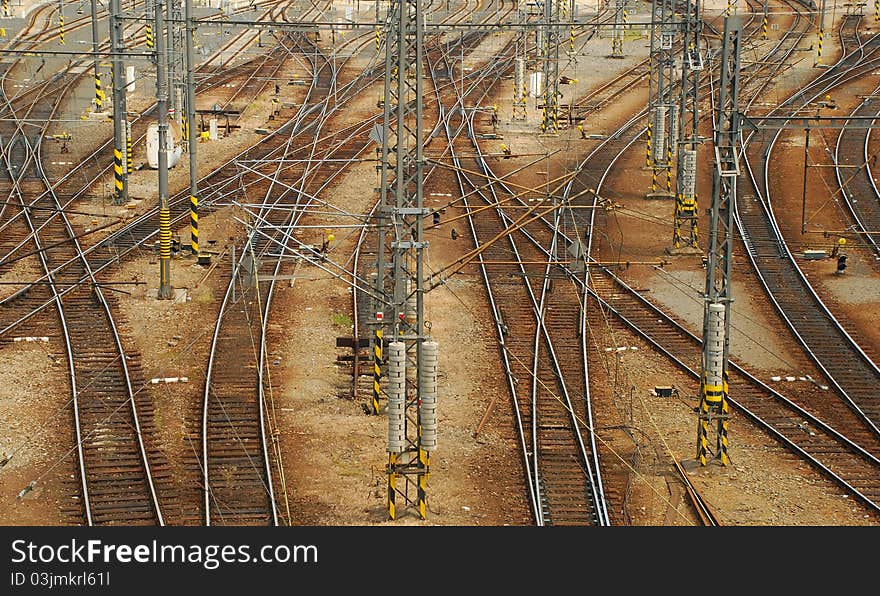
point(61, 26)
point(194, 224)
point(129, 161)
point(648, 153)
point(876, 10)
point(819, 55)
point(423, 483)
point(378, 38)
point(377, 369)
point(164, 252)
point(711, 395)
point(724, 422)
point(117, 175)
point(764, 28)
point(713, 405)
point(669, 166)
point(150, 41)
point(392, 484)
point(5, 8)
point(99, 93)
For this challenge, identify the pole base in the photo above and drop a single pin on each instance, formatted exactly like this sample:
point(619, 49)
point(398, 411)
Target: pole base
point(691, 465)
point(660, 194)
point(683, 251)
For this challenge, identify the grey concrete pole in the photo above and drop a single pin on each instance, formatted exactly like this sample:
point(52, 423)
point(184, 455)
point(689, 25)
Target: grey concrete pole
point(192, 129)
point(120, 196)
point(165, 290)
point(169, 62)
point(99, 92)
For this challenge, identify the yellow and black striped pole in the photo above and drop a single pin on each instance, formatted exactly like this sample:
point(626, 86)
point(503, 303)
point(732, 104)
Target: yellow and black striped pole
point(194, 224)
point(392, 484)
point(724, 423)
point(423, 483)
point(61, 26)
point(819, 55)
point(129, 161)
point(764, 27)
point(876, 10)
point(117, 175)
point(5, 8)
point(150, 41)
point(377, 369)
point(99, 93)
point(711, 396)
point(669, 166)
point(378, 38)
point(164, 252)
point(649, 146)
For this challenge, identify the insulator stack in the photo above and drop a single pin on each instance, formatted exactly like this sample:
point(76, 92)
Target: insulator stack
point(689, 173)
point(519, 80)
point(659, 135)
point(396, 397)
point(428, 395)
point(715, 345)
point(673, 126)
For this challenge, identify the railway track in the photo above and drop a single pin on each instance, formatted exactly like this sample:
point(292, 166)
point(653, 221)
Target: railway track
point(859, 190)
point(241, 459)
point(543, 359)
point(849, 459)
point(849, 369)
point(854, 458)
point(75, 185)
point(119, 469)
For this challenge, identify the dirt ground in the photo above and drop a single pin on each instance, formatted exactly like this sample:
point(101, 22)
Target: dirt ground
point(333, 453)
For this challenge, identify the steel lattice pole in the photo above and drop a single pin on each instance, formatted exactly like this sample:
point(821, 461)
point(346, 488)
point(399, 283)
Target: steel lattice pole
point(713, 409)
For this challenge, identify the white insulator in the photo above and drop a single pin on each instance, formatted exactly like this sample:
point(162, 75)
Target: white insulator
point(519, 75)
point(539, 41)
point(715, 344)
point(396, 390)
point(411, 305)
point(658, 135)
point(536, 84)
point(213, 132)
point(129, 79)
point(689, 173)
point(673, 126)
point(428, 394)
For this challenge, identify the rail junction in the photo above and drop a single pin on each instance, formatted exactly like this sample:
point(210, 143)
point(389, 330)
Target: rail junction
point(459, 262)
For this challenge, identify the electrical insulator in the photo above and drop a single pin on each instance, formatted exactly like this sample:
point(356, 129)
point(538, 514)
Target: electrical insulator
point(689, 173)
point(396, 397)
point(715, 344)
point(673, 126)
point(659, 135)
point(428, 395)
point(519, 76)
